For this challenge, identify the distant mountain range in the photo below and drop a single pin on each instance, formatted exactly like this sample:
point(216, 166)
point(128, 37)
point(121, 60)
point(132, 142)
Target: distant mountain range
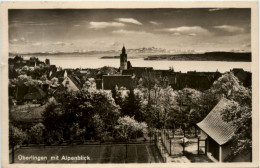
point(153, 53)
point(141, 51)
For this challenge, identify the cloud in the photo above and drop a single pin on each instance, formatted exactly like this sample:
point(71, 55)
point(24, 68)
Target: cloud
point(230, 29)
point(129, 20)
point(76, 25)
point(102, 25)
point(192, 34)
point(187, 30)
point(42, 24)
point(36, 44)
point(216, 9)
point(130, 32)
point(60, 43)
point(29, 23)
point(20, 40)
point(154, 23)
point(13, 41)
point(176, 34)
point(116, 44)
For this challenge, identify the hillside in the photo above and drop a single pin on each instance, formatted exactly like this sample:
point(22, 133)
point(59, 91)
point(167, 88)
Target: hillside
point(208, 56)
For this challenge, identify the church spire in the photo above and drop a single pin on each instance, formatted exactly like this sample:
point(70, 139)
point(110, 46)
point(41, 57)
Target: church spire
point(123, 59)
point(123, 49)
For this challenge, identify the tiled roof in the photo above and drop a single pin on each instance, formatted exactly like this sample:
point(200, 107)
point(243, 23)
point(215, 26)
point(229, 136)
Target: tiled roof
point(75, 81)
point(35, 93)
point(214, 126)
point(110, 81)
point(59, 74)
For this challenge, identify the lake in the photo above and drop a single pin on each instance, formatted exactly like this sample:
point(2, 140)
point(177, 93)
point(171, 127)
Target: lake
point(83, 61)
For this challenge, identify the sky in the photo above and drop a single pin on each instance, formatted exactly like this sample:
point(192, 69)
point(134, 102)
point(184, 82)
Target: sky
point(68, 30)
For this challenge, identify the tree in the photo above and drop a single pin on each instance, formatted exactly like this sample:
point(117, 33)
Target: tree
point(107, 70)
point(201, 105)
point(127, 127)
point(148, 81)
point(51, 116)
point(77, 132)
point(90, 84)
point(152, 84)
point(99, 126)
point(132, 106)
point(226, 85)
point(162, 100)
point(117, 95)
point(104, 105)
point(36, 133)
point(54, 80)
point(238, 112)
point(80, 107)
point(17, 136)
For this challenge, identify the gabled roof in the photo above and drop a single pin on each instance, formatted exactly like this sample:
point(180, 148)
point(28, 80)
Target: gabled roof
point(35, 92)
point(214, 126)
point(75, 81)
point(57, 74)
point(60, 88)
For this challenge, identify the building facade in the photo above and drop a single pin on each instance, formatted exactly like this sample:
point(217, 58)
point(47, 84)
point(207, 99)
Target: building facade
point(123, 60)
point(219, 134)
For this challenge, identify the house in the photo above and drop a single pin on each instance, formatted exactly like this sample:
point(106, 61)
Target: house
point(219, 134)
point(99, 84)
point(110, 81)
point(71, 83)
point(20, 92)
point(59, 74)
point(34, 93)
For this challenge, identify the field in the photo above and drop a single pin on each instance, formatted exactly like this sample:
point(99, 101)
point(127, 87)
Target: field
point(136, 153)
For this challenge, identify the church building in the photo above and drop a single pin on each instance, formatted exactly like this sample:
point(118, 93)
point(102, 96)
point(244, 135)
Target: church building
point(123, 60)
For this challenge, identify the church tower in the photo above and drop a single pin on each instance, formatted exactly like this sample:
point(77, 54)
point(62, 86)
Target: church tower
point(123, 60)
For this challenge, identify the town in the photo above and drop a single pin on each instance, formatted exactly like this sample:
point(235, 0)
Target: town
point(161, 115)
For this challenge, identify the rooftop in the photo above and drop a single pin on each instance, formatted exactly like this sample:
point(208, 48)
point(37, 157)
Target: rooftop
point(214, 126)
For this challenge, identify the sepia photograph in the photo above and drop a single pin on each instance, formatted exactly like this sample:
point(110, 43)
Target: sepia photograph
point(130, 85)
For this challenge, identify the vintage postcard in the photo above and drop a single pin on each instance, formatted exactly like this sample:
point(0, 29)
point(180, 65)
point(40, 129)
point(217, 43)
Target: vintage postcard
point(158, 84)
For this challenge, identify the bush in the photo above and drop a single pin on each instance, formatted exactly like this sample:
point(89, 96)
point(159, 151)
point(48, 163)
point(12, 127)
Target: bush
point(18, 135)
point(61, 141)
point(36, 133)
point(49, 141)
point(82, 140)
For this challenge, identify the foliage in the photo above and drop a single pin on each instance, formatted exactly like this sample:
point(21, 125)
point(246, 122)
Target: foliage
point(27, 80)
point(238, 112)
point(76, 132)
point(132, 106)
point(117, 95)
point(90, 84)
point(201, 106)
point(36, 133)
point(80, 107)
point(225, 85)
point(107, 70)
point(54, 80)
point(99, 126)
point(128, 127)
point(51, 115)
point(18, 136)
point(161, 101)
